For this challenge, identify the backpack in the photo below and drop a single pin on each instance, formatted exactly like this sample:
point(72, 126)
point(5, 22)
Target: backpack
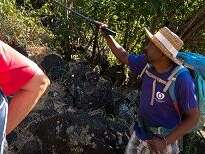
point(195, 64)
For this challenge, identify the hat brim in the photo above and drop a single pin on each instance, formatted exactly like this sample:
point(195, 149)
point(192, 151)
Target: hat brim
point(162, 47)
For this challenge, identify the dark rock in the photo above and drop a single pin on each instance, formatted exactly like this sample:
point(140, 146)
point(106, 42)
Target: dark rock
point(32, 146)
point(11, 137)
point(85, 114)
point(72, 131)
point(115, 74)
point(54, 66)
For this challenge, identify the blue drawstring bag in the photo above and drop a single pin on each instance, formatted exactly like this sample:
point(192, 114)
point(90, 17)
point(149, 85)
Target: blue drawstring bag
point(194, 61)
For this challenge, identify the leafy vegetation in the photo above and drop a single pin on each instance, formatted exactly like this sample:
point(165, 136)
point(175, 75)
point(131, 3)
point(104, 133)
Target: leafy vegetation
point(127, 17)
point(20, 27)
point(193, 143)
point(44, 22)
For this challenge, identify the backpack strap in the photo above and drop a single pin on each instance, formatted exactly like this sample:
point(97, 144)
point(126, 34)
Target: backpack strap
point(169, 83)
point(156, 79)
point(143, 71)
point(178, 70)
point(173, 76)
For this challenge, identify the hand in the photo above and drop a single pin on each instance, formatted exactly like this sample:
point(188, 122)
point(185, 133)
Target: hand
point(157, 144)
point(101, 27)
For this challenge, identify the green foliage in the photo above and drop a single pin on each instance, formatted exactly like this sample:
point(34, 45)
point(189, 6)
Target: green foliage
point(193, 143)
point(62, 30)
point(127, 17)
point(17, 25)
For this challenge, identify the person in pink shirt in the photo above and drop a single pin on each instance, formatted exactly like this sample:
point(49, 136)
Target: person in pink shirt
point(22, 79)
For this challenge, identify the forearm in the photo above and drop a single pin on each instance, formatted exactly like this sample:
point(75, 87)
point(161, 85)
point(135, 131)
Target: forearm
point(117, 50)
point(186, 125)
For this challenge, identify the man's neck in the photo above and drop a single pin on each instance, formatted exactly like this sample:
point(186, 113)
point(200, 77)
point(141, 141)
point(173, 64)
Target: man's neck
point(162, 67)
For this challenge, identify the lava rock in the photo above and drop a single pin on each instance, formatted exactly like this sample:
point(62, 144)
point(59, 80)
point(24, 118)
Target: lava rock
point(54, 66)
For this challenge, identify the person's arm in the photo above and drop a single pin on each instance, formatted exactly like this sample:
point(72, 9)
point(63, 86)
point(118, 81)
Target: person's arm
point(25, 99)
point(24, 80)
point(116, 49)
point(135, 62)
point(187, 103)
point(190, 120)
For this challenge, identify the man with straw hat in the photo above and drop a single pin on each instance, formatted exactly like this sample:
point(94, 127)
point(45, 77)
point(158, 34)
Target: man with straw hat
point(161, 122)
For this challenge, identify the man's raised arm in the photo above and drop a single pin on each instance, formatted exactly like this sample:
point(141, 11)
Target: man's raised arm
point(116, 49)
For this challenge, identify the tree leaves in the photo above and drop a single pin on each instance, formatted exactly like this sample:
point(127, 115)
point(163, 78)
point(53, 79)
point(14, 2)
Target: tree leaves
point(156, 7)
point(127, 17)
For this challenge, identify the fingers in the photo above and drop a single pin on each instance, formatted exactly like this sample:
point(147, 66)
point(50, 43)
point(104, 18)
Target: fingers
point(151, 146)
point(103, 26)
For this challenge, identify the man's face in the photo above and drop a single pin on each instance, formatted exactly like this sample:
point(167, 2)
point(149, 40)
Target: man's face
point(153, 53)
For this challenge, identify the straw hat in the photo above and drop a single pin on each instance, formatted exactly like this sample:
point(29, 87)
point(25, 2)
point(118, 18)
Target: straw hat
point(168, 42)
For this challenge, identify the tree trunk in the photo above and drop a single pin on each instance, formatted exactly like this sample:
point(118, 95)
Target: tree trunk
point(193, 25)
